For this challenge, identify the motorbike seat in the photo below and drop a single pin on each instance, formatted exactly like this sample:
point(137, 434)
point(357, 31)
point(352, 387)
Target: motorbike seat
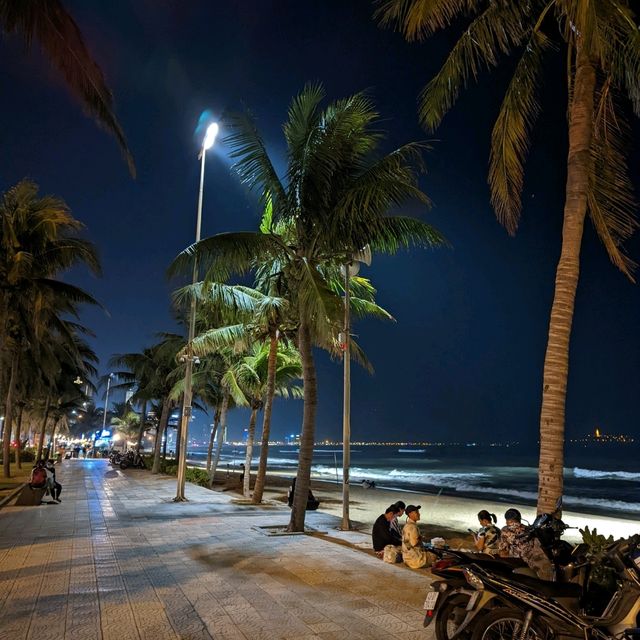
point(549, 589)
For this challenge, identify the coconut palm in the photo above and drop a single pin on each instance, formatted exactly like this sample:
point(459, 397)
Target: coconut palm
point(38, 240)
point(140, 371)
point(253, 374)
point(58, 35)
point(236, 316)
point(334, 200)
point(601, 44)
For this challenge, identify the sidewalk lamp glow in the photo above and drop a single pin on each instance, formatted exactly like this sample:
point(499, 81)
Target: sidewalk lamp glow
point(210, 136)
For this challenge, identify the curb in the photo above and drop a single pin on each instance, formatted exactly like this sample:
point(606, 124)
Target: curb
point(7, 499)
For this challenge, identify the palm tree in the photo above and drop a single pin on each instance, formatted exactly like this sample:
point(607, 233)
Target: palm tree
point(335, 200)
point(236, 316)
point(601, 44)
point(61, 40)
point(38, 240)
point(253, 375)
point(140, 371)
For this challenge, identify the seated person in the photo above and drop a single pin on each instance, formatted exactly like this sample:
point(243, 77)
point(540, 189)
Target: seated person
point(368, 484)
point(312, 502)
point(414, 554)
point(488, 537)
point(38, 479)
point(395, 524)
point(515, 542)
point(382, 534)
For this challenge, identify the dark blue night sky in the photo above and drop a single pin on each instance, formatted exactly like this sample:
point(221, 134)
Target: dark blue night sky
point(464, 360)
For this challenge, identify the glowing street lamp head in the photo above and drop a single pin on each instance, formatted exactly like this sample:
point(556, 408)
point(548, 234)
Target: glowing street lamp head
point(210, 136)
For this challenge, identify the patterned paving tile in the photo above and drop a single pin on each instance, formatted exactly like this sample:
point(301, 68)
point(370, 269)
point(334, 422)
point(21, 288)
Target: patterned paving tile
point(119, 560)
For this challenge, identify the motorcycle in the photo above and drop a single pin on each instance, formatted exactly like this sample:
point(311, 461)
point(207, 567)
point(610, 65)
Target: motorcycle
point(529, 609)
point(132, 459)
point(115, 457)
point(449, 599)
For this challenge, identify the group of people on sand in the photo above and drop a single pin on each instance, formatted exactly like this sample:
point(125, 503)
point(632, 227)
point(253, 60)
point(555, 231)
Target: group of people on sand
point(43, 476)
point(395, 544)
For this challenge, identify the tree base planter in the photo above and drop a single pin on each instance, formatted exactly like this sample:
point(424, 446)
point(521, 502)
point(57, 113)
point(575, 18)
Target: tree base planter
point(281, 530)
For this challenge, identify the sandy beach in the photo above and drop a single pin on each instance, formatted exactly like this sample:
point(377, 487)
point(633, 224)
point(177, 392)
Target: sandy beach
point(441, 515)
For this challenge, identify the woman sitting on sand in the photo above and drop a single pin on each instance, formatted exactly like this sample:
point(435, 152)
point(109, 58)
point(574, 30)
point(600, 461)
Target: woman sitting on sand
point(488, 537)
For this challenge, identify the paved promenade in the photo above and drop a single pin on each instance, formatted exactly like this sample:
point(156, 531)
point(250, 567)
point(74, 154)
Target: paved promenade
point(117, 560)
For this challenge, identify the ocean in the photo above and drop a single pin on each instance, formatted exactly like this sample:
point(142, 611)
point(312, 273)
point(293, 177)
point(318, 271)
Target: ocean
point(600, 478)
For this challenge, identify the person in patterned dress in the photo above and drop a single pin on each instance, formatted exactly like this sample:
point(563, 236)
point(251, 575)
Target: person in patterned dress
point(488, 537)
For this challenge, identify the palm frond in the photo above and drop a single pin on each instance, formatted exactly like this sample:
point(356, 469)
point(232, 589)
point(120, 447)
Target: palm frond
point(252, 162)
point(230, 381)
point(392, 233)
point(319, 303)
point(612, 205)
point(364, 308)
point(228, 253)
point(212, 340)
point(510, 138)
point(418, 19)
point(60, 38)
point(497, 30)
point(302, 117)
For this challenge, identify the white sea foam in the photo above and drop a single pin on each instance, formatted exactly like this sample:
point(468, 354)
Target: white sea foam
point(606, 475)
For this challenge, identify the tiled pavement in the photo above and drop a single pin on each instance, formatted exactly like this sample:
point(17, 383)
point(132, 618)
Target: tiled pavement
point(119, 560)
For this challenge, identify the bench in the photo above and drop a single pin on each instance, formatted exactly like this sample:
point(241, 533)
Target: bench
point(29, 497)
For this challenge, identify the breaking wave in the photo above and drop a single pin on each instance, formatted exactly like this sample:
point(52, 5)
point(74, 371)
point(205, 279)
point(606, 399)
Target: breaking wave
point(606, 475)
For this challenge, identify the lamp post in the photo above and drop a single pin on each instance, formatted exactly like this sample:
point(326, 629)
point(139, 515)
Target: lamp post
point(207, 143)
point(106, 402)
point(349, 270)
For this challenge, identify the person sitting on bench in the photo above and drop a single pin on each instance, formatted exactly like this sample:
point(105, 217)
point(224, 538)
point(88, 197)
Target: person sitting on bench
point(38, 479)
point(312, 502)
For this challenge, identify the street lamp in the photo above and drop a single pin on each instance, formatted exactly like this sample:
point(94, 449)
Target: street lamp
point(207, 143)
point(349, 270)
point(106, 402)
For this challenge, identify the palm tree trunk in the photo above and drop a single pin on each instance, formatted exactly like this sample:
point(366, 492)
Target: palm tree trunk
point(18, 435)
point(178, 434)
point(556, 362)
point(307, 437)
point(8, 416)
point(246, 489)
point(223, 425)
point(212, 438)
point(52, 439)
point(43, 428)
point(258, 489)
point(162, 430)
point(143, 417)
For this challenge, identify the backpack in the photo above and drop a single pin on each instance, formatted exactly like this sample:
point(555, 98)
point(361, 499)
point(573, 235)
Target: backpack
point(39, 477)
point(392, 554)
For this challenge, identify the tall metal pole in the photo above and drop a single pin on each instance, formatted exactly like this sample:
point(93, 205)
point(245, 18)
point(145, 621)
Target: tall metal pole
point(186, 402)
point(346, 407)
point(106, 403)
